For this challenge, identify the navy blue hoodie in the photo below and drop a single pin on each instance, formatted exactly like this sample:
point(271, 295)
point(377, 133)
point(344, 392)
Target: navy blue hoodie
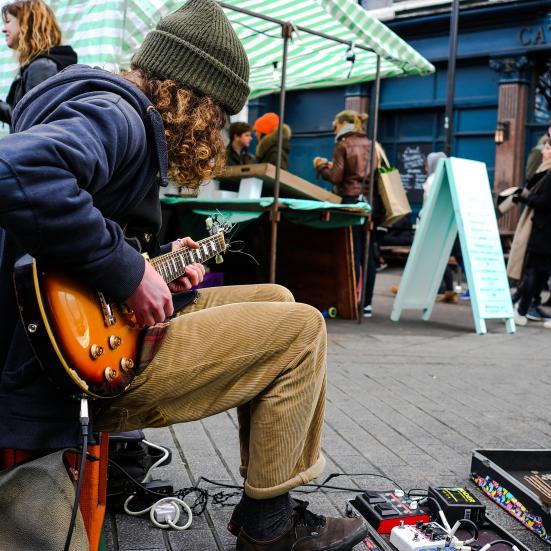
point(84, 159)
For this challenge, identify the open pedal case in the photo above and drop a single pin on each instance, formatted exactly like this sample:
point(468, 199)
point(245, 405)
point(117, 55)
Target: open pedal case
point(519, 481)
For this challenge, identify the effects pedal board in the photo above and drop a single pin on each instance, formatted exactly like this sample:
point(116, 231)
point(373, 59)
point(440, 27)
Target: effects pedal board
point(385, 510)
point(373, 541)
point(457, 504)
point(422, 537)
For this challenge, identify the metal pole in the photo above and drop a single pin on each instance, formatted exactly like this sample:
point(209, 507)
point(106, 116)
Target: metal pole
point(286, 32)
point(297, 27)
point(369, 221)
point(448, 118)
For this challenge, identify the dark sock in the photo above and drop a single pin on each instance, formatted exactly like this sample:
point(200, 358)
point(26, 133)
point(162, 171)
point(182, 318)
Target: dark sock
point(237, 517)
point(266, 519)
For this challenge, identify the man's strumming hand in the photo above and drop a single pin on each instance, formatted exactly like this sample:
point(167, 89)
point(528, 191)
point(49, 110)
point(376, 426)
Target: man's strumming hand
point(151, 301)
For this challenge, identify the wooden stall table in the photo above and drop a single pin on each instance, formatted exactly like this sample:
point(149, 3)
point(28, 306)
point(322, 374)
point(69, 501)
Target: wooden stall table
point(290, 184)
point(315, 257)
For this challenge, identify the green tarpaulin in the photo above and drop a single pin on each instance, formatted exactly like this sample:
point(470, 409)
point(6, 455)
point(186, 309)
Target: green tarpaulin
point(107, 34)
point(298, 211)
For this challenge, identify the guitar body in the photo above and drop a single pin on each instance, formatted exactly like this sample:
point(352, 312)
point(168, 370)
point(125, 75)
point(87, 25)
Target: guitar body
point(73, 335)
point(84, 342)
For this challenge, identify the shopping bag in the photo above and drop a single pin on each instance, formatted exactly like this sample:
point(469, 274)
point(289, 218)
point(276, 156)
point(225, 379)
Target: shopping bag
point(517, 254)
point(391, 190)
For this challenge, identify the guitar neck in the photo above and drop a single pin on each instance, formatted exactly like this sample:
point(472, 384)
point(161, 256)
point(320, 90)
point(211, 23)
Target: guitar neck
point(172, 265)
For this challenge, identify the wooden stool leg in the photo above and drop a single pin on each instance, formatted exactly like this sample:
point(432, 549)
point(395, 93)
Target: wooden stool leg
point(94, 489)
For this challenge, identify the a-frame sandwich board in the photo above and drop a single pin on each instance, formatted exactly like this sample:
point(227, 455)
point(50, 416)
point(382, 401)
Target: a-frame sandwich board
point(460, 201)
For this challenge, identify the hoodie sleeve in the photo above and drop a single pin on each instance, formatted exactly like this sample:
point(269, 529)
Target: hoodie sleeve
point(49, 175)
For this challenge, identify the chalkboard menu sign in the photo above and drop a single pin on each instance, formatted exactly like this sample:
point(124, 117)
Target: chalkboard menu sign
point(410, 162)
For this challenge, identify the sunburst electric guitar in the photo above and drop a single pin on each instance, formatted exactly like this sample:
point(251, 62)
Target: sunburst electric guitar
point(86, 342)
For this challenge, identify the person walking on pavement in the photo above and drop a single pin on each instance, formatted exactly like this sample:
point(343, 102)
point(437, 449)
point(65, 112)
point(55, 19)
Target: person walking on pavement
point(349, 172)
point(31, 29)
point(537, 264)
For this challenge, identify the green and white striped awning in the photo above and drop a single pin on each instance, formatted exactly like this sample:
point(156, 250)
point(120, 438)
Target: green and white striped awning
point(107, 34)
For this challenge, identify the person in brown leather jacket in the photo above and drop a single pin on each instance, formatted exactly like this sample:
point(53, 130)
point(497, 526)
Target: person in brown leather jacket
point(349, 173)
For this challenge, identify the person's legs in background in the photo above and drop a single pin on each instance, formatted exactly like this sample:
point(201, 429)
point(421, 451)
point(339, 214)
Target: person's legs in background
point(370, 279)
point(536, 273)
point(449, 294)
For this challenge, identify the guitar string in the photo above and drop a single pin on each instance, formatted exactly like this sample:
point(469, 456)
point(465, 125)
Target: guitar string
point(167, 265)
point(185, 252)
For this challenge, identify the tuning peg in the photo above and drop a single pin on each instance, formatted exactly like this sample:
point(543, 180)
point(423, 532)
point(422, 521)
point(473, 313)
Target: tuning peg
point(218, 258)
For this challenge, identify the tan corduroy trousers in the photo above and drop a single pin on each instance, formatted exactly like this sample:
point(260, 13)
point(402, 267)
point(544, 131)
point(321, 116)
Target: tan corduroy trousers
point(250, 347)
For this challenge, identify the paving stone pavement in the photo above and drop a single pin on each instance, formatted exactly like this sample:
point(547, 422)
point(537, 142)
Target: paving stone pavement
point(407, 400)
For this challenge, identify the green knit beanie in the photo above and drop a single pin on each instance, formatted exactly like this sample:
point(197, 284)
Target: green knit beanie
point(197, 47)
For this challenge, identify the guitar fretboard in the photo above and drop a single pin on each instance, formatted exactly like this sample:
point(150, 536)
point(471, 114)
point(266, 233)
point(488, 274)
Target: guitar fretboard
point(172, 265)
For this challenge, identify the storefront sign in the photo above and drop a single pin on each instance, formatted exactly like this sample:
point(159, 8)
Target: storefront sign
point(535, 36)
point(460, 201)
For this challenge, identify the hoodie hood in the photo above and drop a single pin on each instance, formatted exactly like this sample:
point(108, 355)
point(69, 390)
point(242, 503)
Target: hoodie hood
point(78, 82)
point(74, 83)
point(62, 56)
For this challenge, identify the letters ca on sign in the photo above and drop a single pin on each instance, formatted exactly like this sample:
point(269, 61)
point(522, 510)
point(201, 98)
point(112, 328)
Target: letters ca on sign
point(534, 36)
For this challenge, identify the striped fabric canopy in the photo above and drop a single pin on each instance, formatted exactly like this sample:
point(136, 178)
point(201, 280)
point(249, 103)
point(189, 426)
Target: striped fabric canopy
point(107, 33)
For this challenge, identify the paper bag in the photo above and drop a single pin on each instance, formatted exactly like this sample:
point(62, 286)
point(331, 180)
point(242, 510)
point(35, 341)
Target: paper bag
point(517, 254)
point(391, 190)
point(393, 196)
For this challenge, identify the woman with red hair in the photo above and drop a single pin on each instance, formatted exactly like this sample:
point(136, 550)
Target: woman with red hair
point(31, 29)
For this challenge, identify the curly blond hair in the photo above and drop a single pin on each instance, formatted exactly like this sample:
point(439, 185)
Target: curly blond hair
point(193, 126)
point(38, 28)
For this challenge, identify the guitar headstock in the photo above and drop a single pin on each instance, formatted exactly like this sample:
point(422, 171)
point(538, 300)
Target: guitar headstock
point(214, 225)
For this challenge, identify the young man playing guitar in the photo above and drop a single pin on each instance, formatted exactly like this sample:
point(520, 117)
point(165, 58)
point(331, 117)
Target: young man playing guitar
point(89, 152)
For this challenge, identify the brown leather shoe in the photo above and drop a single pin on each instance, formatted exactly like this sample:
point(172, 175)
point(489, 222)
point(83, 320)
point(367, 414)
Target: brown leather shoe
point(310, 532)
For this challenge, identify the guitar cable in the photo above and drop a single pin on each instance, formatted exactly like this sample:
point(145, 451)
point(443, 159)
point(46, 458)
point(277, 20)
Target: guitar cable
point(84, 419)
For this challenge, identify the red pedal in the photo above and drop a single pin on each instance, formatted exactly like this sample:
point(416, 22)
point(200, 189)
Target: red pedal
point(385, 510)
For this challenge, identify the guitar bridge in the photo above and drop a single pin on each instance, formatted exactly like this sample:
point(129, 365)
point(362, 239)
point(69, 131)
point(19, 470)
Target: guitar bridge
point(108, 317)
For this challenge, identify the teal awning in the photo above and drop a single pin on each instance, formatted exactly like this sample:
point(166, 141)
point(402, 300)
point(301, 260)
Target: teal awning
point(107, 33)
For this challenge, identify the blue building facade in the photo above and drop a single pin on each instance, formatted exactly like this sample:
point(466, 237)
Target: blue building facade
point(499, 46)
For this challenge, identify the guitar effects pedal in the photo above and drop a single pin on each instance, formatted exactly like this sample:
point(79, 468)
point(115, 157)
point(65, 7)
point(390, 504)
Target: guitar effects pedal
point(422, 537)
point(385, 510)
point(457, 504)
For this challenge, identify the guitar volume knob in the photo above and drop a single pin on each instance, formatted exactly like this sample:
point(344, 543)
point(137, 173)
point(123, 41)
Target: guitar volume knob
point(110, 374)
point(96, 351)
point(126, 364)
point(114, 342)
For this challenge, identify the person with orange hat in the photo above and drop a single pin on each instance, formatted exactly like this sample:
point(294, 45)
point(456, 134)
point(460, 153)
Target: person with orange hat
point(265, 129)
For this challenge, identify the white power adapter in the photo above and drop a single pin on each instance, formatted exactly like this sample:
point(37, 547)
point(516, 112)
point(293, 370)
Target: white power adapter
point(168, 511)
